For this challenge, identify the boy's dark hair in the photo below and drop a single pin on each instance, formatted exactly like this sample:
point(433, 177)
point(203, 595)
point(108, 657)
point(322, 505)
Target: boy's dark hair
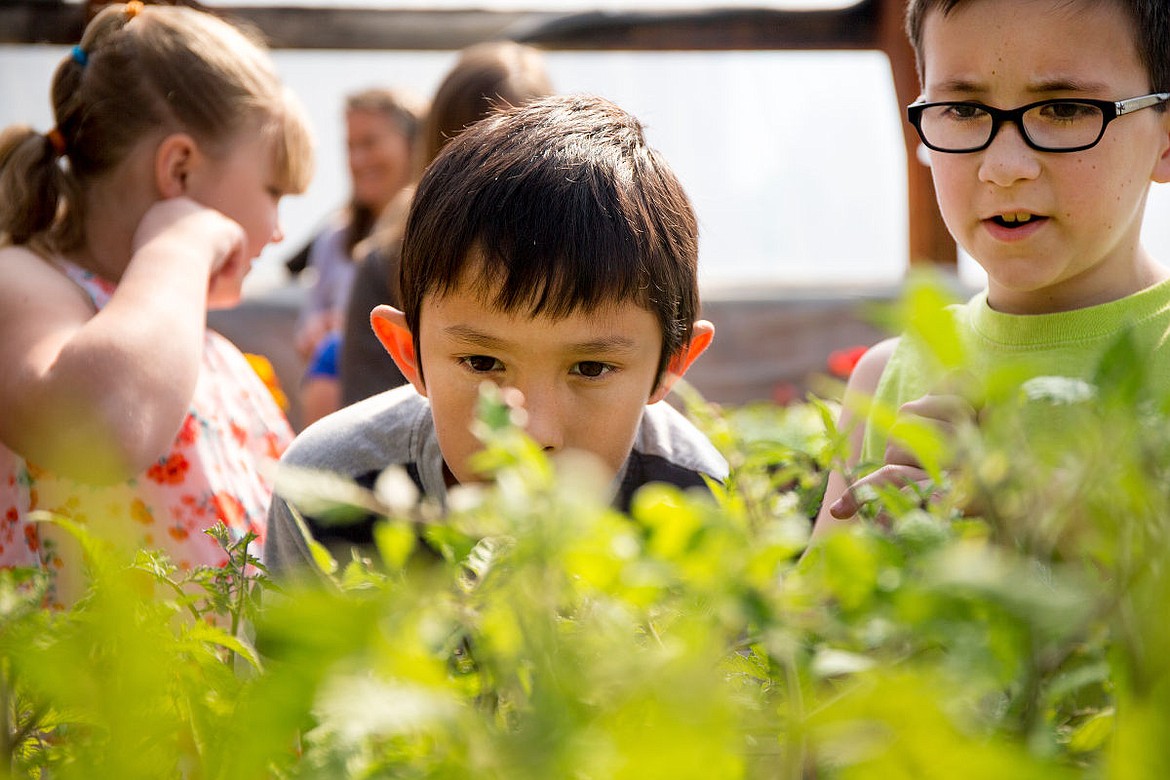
point(488, 76)
point(562, 205)
point(1149, 19)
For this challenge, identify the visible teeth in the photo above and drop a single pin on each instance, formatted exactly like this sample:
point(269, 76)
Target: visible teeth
point(1018, 216)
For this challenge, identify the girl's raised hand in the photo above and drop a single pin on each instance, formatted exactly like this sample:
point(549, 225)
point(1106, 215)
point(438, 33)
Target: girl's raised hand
point(183, 225)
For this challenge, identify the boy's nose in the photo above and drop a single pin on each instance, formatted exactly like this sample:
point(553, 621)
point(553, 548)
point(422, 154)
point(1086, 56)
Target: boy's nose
point(277, 235)
point(1008, 159)
point(543, 418)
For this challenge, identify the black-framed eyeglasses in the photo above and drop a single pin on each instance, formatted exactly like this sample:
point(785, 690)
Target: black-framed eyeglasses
point(1059, 125)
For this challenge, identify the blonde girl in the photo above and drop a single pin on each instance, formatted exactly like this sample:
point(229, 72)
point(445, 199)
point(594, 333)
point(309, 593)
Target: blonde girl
point(143, 207)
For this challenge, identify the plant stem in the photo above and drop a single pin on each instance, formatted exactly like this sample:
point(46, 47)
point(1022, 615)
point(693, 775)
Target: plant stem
point(794, 753)
point(241, 582)
point(6, 742)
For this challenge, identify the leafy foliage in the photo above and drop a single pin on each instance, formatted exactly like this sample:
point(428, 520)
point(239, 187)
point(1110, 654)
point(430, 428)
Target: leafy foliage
point(536, 633)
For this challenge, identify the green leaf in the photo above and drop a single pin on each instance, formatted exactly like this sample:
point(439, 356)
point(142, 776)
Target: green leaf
point(928, 319)
point(395, 540)
point(1123, 373)
point(201, 631)
point(1093, 733)
point(319, 554)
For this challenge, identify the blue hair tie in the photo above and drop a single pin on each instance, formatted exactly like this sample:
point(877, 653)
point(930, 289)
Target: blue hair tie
point(79, 56)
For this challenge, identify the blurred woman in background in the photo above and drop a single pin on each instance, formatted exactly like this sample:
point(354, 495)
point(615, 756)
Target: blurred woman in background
point(382, 126)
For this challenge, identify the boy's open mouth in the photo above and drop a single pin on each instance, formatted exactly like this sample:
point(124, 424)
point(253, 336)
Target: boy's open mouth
point(1015, 219)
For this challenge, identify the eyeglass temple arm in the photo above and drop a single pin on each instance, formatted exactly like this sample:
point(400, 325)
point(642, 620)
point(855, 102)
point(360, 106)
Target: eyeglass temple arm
point(1135, 104)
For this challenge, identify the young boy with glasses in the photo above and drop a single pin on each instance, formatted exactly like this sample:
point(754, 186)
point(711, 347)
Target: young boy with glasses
point(550, 251)
point(1046, 122)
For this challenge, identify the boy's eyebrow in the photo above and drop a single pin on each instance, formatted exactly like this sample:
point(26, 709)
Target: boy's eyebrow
point(473, 337)
point(609, 344)
point(956, 85)
point(1056, 84)
point(1067, 85)
point(477, 338)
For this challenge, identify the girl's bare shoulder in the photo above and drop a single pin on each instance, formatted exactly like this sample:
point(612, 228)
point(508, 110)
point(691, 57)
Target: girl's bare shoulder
point(28, 278)
point(18, 260)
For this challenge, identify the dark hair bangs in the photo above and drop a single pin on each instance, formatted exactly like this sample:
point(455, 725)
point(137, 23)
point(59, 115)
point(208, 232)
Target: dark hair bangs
point(554, 250)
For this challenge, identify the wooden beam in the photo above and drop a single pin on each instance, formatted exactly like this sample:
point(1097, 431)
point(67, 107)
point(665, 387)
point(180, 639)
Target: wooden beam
point(709, 30)
point(379, 29)
point(41, 21)
point(297, 27)
point(289, 27)
point(930, 241)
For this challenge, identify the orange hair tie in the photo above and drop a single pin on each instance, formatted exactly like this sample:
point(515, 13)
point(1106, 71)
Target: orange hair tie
point(133, 8)
point(57, 141)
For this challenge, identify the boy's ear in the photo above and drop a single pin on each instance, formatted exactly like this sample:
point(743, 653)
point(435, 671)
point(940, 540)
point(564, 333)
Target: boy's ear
point(173, 161)
point(701, 334)
point(1162, 169)
point(389, 326)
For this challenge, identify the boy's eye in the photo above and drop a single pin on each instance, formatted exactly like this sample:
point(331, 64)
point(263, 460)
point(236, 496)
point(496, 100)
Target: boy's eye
point(963, 111)
point(482, 363)
point(1069, 112)
point(592, 368)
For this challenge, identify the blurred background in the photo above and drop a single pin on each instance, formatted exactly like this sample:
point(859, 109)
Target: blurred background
point(794, 156)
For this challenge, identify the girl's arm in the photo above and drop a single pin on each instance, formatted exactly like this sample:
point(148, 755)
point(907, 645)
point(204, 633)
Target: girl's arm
point(99, 397)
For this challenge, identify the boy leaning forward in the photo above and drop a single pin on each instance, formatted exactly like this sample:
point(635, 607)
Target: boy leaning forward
point(550, 251)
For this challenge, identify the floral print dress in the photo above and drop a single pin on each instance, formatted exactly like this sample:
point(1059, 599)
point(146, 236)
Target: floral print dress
point(220, 467)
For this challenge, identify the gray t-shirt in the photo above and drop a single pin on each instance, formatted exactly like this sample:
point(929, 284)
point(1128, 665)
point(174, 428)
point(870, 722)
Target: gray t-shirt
point(396, 428)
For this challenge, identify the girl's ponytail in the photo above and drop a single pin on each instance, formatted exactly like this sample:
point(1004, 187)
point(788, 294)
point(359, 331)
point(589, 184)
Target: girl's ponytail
point(34, 189)
point(40, 200)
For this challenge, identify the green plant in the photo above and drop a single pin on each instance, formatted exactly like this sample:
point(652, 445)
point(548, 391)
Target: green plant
point(534, 632)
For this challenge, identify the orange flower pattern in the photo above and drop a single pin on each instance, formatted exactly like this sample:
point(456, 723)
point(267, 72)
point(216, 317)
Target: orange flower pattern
point(218, 468)
point(171, 470)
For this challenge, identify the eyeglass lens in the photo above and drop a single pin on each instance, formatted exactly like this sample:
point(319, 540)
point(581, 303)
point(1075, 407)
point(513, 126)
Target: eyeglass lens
point(1063, 125)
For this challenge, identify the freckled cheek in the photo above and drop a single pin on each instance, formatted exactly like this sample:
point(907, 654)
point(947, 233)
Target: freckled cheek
point(957, 213)
point(952, 190)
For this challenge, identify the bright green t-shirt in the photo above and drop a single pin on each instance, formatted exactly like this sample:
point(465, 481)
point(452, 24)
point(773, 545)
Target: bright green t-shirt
point(1012, 348)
